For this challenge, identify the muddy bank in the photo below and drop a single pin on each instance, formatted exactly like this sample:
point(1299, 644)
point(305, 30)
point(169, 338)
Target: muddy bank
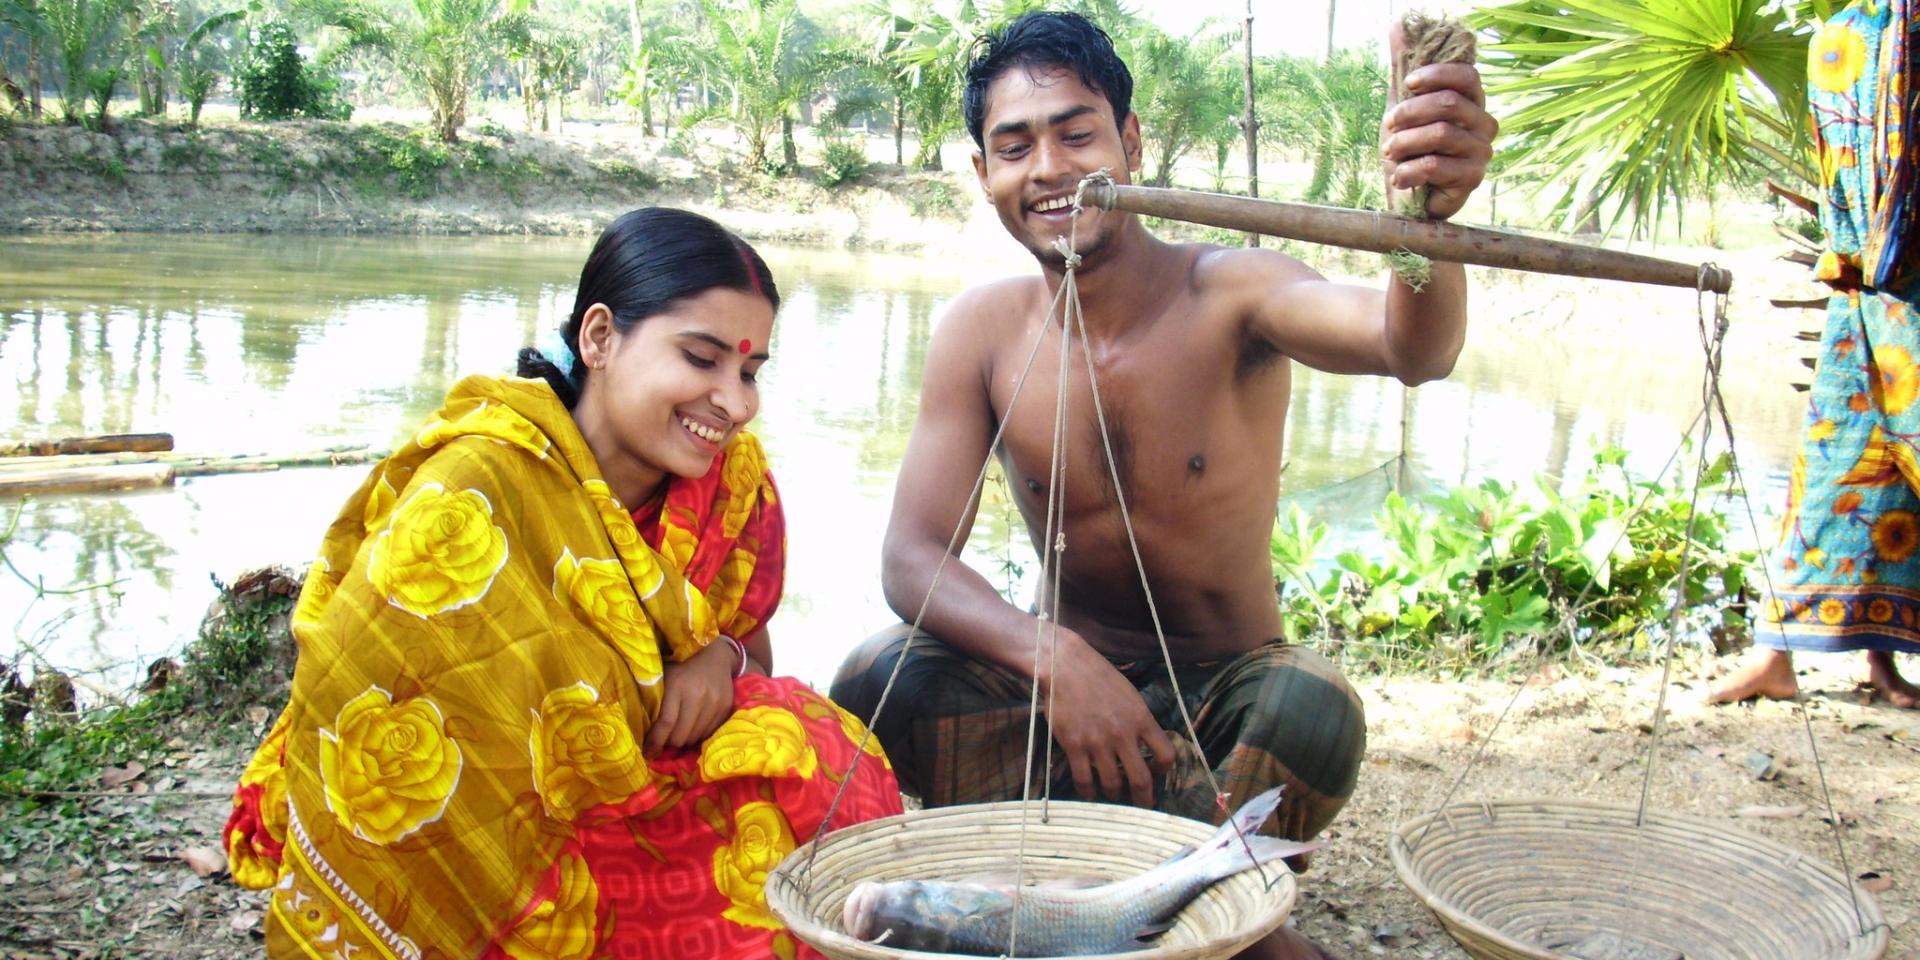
point(315, 176)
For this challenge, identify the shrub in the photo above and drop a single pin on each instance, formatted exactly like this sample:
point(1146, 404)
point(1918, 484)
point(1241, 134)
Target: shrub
point(277, 83)
point(842, 161)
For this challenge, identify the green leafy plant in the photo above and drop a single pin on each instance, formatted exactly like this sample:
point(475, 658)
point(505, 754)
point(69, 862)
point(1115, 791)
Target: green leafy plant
point(277, 83)
point(1493, 571)
point(1637, 104)
point(195, 62)
point(842, 160)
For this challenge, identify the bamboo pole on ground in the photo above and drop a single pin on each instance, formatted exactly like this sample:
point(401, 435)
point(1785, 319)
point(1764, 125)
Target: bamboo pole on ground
point(105, 473)
point(130, 476)
point(67, 446)
point(1384, 233)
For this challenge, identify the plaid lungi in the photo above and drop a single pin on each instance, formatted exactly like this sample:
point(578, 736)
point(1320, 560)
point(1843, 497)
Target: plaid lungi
point(955, 728)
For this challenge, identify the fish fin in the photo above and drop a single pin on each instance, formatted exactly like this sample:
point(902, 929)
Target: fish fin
point(1238, 845)
point(1181, 854)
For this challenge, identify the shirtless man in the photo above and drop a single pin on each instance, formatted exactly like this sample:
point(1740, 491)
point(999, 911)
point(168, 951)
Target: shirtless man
point(1194, 346)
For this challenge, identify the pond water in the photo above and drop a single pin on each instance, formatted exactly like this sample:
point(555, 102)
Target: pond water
point(277, 344)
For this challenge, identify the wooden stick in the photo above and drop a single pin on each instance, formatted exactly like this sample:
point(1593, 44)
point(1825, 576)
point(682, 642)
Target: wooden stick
point(1385, 233)
point(115, 443)
point(195, 465)
point(132, 476)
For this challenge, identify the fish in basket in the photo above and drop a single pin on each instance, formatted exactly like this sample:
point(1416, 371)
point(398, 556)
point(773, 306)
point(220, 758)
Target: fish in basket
point(1062, 918)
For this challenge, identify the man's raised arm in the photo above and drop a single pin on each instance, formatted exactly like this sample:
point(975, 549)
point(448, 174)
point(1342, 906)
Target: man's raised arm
point(1439, 137)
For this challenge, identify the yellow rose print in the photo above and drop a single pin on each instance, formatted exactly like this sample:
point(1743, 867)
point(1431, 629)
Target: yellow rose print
point(439, 552)
point(677, 545)
point(742, 473)
point(493, 421)
point(600, 590)
point(643, 568)
point(724, 593)
point(700, 623)
point(761, 839)
point(584, 753)
point(314, 594)
point(565, 927)
point(758, 742)
point(388, 768)
point(856, 731)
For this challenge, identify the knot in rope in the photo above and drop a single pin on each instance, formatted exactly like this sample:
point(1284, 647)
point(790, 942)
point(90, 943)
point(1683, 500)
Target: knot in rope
point(1065, 248)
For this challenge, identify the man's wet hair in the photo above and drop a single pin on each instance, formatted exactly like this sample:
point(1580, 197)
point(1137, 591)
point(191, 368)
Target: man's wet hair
point(1041, 41)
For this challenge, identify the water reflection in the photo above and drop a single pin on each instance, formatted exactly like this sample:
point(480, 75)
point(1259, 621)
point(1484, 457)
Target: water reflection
point(284, 344)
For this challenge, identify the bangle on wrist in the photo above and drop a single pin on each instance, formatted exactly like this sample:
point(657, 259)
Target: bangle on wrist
point(740, 652)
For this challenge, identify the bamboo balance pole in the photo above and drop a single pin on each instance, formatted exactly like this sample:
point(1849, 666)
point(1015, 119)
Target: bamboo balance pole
point(1385, 233)
point(116, 443)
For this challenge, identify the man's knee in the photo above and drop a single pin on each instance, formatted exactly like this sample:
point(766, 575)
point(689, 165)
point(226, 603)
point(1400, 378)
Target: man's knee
point(851, 687)
point(1298, 707)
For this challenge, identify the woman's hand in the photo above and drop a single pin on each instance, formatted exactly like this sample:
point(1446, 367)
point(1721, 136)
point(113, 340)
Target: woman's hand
point(696, 697)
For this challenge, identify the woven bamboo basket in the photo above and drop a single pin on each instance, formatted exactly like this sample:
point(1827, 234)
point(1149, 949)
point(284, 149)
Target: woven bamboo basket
point(1552, 880)
point(1077, 839)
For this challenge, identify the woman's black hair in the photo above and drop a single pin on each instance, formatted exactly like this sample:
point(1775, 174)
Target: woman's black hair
point(643, 263)
point(1046, 40)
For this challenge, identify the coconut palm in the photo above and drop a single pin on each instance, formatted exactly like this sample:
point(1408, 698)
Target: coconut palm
point(1637, 104)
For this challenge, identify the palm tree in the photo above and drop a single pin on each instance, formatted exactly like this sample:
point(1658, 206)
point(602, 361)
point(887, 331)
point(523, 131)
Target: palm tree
point(1332, 109)
point(1183, 91)
point(89, 47)
point(441, 46)
point(930, 46)
point(1638, 104)
point(768, 59)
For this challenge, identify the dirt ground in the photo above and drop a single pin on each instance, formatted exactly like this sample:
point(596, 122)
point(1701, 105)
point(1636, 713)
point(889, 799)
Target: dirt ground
point(1570, 735)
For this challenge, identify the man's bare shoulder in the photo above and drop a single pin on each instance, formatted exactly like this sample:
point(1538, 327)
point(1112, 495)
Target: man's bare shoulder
point(1218, 269)
point(1008, 298)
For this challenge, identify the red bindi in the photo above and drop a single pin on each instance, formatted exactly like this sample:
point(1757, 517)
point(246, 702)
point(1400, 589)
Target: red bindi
point(746, 345)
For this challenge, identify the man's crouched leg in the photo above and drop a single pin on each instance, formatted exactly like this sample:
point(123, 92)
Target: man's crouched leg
point(954, 727)
point(1280, 715)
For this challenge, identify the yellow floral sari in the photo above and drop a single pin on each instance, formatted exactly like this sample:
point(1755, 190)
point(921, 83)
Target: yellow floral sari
point(482, 642)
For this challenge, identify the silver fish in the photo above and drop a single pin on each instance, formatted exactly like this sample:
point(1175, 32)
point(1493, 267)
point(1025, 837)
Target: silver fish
point(1062, 919)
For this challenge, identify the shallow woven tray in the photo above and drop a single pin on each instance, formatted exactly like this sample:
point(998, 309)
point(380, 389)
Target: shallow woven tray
point(1549, 879)
point(1079, 839)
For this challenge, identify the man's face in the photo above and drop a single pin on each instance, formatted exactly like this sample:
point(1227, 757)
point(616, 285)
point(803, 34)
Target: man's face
point(1044, 132)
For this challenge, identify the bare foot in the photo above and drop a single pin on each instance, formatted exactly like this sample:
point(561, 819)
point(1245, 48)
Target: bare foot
point(1765, 673)
point(1888, 682)
point(1286, 943)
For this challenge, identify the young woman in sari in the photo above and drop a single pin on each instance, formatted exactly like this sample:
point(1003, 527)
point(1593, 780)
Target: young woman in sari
point(531, 716)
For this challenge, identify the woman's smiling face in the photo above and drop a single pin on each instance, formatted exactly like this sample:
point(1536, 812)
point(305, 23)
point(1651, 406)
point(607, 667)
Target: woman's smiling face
point(665, 396)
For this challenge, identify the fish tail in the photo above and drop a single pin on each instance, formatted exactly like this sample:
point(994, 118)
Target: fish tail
point(1237, 845)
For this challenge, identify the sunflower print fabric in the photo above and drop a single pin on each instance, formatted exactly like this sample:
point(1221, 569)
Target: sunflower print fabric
point(1845, 573)
point(483, 641)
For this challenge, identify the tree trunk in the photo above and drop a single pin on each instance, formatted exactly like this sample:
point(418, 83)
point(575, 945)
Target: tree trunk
point(33, 73)
point(789, 154)
point(1332, 5)
point(1252, 122)
point(899, 130)
point(640, 83)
